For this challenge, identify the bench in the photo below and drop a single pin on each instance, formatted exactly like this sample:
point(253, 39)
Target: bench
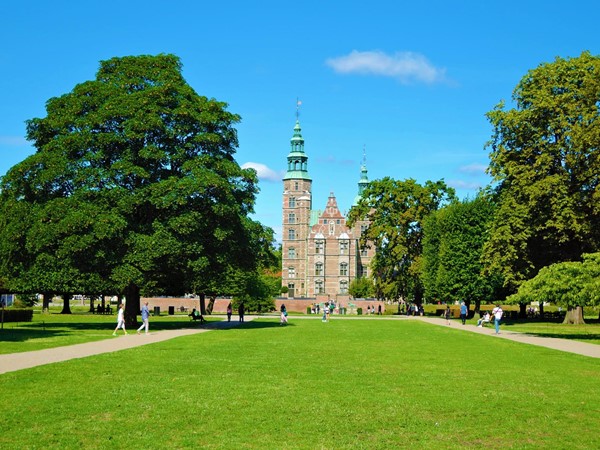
point(197, 317)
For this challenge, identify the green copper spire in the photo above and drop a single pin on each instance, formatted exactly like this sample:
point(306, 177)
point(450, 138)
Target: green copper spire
point(364, 180)
point(297, 159)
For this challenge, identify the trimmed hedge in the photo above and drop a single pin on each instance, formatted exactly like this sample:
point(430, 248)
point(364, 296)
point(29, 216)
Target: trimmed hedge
point(18, 315)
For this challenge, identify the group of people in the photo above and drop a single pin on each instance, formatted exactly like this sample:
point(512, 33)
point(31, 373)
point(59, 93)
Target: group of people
point(102, 309)
point(121, 319)
point(315, 308)
point(414, 310)
point(371, 310)
point(497, 314)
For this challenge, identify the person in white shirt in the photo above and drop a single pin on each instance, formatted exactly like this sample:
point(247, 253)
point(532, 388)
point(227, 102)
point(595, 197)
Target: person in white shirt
point(484, 319)
point(120, 319)
point(497, 313)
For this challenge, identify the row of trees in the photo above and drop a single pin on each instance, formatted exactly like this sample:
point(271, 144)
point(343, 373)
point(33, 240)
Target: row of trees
point(543, 207)
point(133, 189)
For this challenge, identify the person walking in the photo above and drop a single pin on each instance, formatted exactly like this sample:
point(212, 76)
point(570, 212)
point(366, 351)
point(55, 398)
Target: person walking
point(145, 318)
point(283, 317)
point(447, 314)
point(241, 311)
point(497, 313)
point(229, 311)
point(463, 312)
point(120, 319)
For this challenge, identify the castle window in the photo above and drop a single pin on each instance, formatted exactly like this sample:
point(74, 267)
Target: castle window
point(343, 287)
point(291, 234)
point(362, 271)
point(364, 251)
point(319, 269)
point(319, 247)
point(331, 228)
point(319, 287)
point(291, 272)
point(344, 269)
point(292, 202)
point(291, 218)
point(343, 247)
point(296, 185)
point(292, 253)
point(363, 228)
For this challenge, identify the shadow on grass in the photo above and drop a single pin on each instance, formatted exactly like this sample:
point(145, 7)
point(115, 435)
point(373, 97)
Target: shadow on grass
point(43, 330)
point(575, 337)
point(26, 334)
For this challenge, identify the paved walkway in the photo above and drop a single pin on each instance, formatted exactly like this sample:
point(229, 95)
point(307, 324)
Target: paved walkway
point(17, 361)
point(565, 345)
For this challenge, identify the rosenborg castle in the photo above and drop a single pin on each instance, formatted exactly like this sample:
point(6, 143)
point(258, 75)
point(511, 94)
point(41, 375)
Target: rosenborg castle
point(321, 255)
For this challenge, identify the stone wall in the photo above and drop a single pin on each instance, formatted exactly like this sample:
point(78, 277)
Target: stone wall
point(292, 305)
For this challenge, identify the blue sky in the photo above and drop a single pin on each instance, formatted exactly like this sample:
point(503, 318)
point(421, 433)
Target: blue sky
point(409, 82)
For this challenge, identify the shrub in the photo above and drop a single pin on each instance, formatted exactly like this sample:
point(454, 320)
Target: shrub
point(18, 315)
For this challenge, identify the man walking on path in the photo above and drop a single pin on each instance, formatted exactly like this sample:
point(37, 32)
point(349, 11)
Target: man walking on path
point(241, 311)
point(497, 313)
point(120, 319)
point(145, 317)
point(463, 312)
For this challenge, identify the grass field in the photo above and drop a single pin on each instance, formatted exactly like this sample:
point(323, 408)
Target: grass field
point(345, 384)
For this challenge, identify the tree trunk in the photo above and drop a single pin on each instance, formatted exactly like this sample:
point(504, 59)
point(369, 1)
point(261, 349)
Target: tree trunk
point(541, 309)
point(202, 304)
point(211, 305)
point(66, 304)
point(522, 311)
point(132, 305)
point(574, 316)
point(91, 304)
point(46, 296)
point(477, 306)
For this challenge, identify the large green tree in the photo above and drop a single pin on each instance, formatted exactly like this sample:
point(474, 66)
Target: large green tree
point(572, 285)
point(452, 245)
point(133, 189)
point(545, 163)
point(395, 211)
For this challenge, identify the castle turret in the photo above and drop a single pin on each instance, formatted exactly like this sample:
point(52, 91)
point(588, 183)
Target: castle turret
point(297, 204)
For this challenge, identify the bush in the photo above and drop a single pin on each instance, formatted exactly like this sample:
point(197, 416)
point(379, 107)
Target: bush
point(359, 311)
point(18, 315)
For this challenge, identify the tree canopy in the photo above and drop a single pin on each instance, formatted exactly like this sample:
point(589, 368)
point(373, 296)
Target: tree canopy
point(133, 188)
point(572, 285)
point(545, 163)
point(452, 245)
point(395, 211)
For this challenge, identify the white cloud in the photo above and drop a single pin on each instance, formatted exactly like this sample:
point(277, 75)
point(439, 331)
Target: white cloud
point(16, 141)
point(473, 169)
point(407, 67)
point(465, 185)
point(263, 172)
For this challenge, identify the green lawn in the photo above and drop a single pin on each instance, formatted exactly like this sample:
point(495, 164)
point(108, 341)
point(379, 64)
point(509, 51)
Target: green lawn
point(345, 384)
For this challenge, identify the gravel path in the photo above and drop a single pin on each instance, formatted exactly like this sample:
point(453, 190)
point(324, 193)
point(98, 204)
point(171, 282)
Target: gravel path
point(17, 361)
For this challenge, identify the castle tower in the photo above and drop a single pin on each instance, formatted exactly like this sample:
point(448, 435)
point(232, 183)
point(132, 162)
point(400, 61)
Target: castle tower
point(364, 255)
point(297, 205)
